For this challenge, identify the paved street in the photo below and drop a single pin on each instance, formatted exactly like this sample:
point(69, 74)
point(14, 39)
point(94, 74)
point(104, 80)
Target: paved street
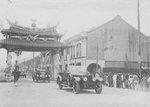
point(29, 94)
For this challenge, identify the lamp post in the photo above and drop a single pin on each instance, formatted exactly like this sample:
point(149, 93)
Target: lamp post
point(147, 55)
point(33, 63)
point(97, 52)
point(24, 65)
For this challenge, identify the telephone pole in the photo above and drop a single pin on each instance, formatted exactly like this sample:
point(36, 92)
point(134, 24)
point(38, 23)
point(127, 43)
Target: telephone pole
point(139, 43)
point(138, 14)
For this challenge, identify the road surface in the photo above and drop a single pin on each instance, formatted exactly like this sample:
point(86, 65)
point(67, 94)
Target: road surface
point(29, 94)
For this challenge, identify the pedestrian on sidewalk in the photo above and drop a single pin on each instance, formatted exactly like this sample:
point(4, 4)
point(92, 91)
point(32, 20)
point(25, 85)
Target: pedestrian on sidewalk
point(16, 73)
point(115, 80)
point(110, 79)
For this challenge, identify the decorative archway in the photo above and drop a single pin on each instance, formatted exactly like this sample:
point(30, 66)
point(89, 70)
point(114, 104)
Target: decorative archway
point(19, 39)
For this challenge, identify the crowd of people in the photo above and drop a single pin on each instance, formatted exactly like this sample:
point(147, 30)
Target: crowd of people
point(127, 81)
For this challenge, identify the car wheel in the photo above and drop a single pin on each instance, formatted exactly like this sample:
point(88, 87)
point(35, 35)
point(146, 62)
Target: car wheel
point(59, 83)
point(98, 88)
point(76, 87)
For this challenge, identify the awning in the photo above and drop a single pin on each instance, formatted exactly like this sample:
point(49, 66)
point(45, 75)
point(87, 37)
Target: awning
point(26, 45)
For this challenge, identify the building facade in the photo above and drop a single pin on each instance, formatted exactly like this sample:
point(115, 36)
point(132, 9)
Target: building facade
point(115, 46)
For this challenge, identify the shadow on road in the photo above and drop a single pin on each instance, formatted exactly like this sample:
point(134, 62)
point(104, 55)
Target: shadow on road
point(84, 91)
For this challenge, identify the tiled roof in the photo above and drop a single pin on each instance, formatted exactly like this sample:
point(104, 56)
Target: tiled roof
point(24, 31)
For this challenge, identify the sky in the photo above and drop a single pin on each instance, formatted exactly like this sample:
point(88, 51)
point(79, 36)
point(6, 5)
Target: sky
point(71, 16)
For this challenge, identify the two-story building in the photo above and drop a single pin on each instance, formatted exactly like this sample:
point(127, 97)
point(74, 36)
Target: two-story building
point(115, 46)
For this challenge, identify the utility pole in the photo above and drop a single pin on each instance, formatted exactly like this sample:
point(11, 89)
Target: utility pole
point(138, 14)
point(139, 43)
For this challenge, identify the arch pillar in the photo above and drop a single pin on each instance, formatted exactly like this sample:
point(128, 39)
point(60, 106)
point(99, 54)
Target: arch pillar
point(52, 63)
point(8, 69)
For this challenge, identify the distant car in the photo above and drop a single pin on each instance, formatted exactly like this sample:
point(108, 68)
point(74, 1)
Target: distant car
point(80, 81)
point(22, 74)
point(2, 77)
point(41, 76)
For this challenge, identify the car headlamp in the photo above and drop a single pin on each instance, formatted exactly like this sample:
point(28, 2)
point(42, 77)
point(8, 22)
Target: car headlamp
point(98, 78)
point(77, 78)
point(94, 79)
point(85, 79)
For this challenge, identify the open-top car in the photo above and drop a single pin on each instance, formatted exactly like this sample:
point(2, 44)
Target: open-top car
point(80, 80)
point(41, 75)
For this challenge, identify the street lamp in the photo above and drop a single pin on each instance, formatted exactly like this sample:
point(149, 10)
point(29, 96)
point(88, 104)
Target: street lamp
point(97, 52)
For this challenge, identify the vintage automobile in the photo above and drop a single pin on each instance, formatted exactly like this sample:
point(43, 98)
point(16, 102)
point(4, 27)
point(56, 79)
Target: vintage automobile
point(41, 75)
point(80, 80)
point(23, 74)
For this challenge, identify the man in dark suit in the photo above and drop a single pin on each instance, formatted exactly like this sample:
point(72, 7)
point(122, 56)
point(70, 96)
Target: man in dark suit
point(16, 73)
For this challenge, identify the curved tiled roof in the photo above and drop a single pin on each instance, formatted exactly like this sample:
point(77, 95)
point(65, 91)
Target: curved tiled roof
point(25, 31)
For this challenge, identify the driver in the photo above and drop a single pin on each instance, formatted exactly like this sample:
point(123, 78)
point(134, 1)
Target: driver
point(66, 69)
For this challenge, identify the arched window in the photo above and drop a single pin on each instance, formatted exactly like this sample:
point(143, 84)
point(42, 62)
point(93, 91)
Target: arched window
point(78, 50)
